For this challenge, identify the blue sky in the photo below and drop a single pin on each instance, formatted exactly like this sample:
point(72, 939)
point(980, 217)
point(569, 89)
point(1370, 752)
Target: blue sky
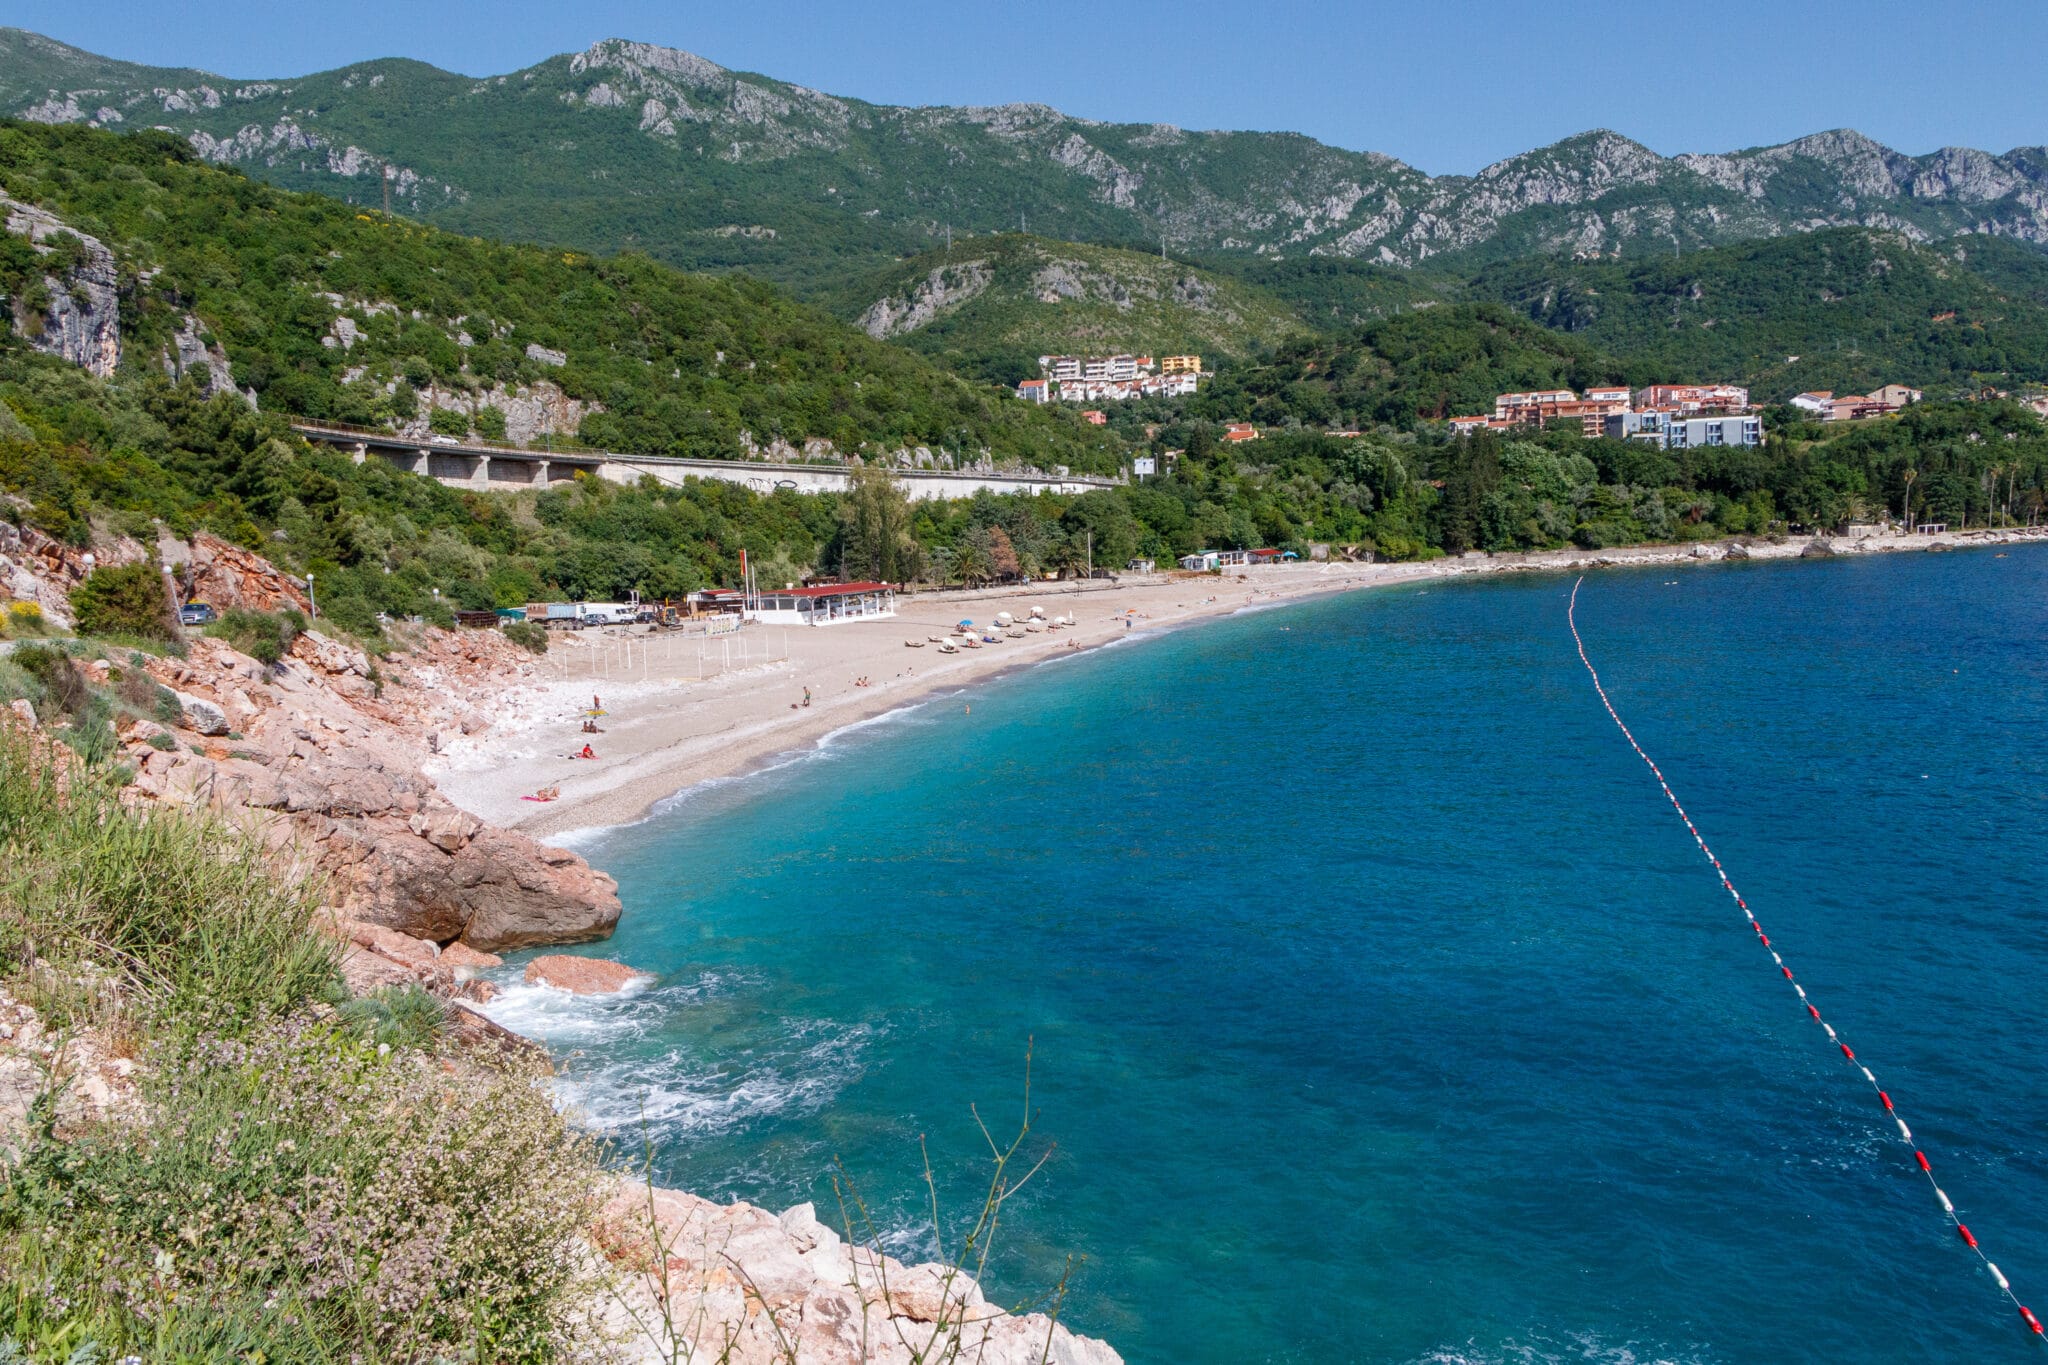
point(1447, 85)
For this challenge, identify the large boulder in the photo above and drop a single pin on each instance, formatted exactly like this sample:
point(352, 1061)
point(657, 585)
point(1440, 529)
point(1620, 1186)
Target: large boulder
point(495, 891)
point(202, 715)
point(580, 975)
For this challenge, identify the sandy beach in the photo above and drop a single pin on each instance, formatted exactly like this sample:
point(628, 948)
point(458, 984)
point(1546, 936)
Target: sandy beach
point(680, 711)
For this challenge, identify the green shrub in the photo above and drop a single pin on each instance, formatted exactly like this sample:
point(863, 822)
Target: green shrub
point(303, 1195)
point(90, 734)
point(398, 1016)
point(62, 688)
point(265, 636)
point(123, 599)
point(528, 635)
point(449, 422)
point(142, 695)
point(490, 422)
point(16, 683)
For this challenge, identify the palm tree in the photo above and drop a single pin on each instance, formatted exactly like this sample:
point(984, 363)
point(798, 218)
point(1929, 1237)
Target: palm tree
point(1906, 514)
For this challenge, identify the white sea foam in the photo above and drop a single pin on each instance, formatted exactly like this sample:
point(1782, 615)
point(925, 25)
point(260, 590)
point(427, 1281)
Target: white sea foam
point(1572, 1348)
point(676, 1094)
point(630, 1081)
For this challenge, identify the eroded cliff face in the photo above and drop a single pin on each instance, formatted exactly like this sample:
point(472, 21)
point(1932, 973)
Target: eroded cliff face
point(76, 314)
point(321, 755)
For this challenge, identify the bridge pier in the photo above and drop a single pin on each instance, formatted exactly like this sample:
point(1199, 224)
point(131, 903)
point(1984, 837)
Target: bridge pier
point(359, 452)
point(540, 472)
point(421, 463)
point(481, 475)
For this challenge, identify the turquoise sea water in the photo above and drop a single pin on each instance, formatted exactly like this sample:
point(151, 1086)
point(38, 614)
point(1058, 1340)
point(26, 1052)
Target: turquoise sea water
point(1382, 1009)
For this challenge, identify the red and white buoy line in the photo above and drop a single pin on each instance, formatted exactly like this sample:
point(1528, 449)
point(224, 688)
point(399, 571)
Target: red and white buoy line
point(1905, 1134)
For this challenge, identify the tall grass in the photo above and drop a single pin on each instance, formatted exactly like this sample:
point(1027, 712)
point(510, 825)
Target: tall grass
point(179, 903)
point(295, 1183)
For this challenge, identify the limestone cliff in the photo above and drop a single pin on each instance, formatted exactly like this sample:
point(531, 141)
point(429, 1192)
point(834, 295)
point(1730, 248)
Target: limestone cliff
point(77, 312)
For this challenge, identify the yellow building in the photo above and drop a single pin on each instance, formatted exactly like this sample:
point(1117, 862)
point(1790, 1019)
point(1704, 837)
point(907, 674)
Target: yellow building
point(1180, 364)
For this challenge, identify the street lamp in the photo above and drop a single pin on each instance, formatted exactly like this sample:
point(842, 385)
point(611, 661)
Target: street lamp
point(312, 599)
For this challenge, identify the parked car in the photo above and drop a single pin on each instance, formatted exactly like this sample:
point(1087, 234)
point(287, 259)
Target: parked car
point(197, 614)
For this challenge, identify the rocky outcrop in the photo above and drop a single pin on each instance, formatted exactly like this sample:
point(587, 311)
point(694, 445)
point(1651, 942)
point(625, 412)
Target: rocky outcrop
point(321, 756)
point(533, 412)
point(740, 1284)
point(227, 576)
point(36, 567)
point(84, 1080)
point(192, 353)
point(78, 317)
point(581, 975)
point(945, 288)
point(445, 876)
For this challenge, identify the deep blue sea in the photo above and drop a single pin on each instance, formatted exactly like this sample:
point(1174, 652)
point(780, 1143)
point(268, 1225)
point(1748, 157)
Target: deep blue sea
point(1380, 1009)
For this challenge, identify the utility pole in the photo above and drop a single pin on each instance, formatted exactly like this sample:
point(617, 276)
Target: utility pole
point(387, 190)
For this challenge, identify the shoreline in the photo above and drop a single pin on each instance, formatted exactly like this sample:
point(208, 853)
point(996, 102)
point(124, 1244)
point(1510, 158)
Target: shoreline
point(675, 727)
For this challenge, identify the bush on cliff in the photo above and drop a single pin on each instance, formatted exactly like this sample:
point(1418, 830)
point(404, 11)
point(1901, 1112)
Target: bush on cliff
point(292, 1183)
point(123, 600)
point(303, 1194)
point(265, 636)
point(528, 635)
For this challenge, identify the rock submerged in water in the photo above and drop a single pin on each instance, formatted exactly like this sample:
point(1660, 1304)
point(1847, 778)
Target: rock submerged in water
point(581, 975)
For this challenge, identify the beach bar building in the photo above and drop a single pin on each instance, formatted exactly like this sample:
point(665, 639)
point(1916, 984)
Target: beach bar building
point(823, 605)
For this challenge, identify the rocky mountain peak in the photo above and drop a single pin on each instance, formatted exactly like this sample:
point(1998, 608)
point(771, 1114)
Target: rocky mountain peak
point(640, 61)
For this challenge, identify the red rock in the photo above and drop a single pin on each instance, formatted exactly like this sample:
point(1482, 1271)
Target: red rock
point(580, 975)
point(460, 954)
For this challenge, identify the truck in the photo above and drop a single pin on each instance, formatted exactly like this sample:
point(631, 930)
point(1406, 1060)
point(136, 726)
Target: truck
point(577, 615)
point(559, 615)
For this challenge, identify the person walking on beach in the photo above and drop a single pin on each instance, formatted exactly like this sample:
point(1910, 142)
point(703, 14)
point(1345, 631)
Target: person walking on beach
point(807, 696)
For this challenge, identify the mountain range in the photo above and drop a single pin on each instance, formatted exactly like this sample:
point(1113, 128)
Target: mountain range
point(627, 145)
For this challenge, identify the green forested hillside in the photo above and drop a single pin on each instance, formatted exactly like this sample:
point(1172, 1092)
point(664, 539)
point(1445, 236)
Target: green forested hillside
point(1844, 309)
point(990, 306)
point(261, 270)
point(1329, 293)
point(678, 364)
point(1430, 363)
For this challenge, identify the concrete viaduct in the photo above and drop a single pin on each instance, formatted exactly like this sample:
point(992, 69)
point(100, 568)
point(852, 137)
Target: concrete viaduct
point(505, 469)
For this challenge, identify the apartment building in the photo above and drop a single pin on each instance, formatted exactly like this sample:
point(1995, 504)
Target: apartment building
point(1180, 364)
point(1661, 427)
point(1692, 399)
